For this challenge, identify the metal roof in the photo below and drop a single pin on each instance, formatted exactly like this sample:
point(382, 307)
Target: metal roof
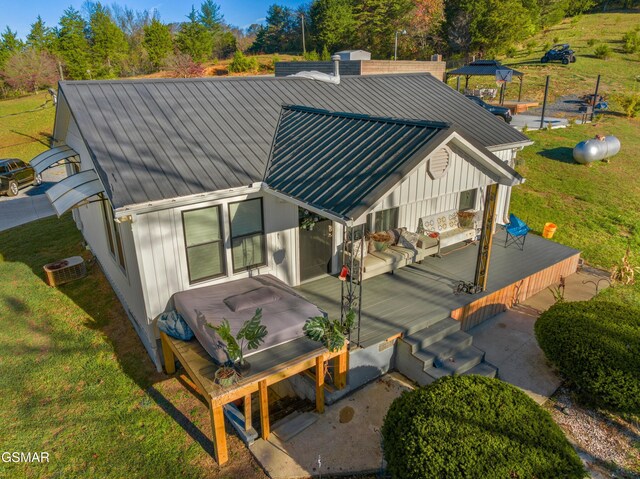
point(483, 68)
point(343, 164)
point(157, 139)
point(50, 157)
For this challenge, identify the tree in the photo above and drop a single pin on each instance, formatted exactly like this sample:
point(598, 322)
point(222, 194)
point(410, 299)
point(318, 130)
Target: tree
point(182, 65)
point(552, 12)
point(9, 44)
point(72, 45)
point(333, 23)
point(194, 39)
point(379, 20)
point(225, 44)
point(132, 23)
point(424, 22)
point(109, 45)
point(41, 38)
point(157, 42)
point(280, 33)
point(30, 69)
point(210, 17)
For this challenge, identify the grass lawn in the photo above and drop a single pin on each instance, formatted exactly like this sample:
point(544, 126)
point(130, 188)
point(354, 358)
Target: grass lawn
point(25, 126)
point(597, 207)
point(76, 381)
point(619, 73)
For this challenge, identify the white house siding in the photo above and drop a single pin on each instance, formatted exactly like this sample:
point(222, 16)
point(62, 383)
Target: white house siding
point(159, 239)
point(90, 221)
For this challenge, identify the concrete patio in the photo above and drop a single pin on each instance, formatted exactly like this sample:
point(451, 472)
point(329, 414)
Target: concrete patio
point(349, 431)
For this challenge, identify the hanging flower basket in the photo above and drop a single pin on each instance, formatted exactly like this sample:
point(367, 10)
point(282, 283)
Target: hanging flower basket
point(308, 220)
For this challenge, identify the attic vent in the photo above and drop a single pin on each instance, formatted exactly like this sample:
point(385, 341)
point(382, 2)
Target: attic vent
point(439, 162)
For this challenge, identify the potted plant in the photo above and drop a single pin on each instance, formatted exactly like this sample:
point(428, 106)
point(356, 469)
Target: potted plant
point(250, 335)
point(225, 376)
point(331, 333)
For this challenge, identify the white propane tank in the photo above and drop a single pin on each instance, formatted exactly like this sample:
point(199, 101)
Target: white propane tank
point(596, 149)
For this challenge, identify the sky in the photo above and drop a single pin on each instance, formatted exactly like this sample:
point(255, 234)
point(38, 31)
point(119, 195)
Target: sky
point(19, 16)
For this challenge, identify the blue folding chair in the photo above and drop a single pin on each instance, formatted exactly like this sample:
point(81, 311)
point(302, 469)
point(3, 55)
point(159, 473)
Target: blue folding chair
point(516, 232)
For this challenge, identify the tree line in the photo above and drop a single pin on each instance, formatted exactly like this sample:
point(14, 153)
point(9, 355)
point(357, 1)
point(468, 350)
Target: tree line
point(109, 42)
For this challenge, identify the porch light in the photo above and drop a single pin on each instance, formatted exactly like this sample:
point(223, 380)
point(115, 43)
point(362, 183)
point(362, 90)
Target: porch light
point(344, 272)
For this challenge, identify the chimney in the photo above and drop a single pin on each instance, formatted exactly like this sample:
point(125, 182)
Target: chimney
point(336, 65)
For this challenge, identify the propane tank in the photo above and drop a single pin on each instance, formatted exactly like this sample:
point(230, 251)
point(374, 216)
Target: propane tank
point(598, 148)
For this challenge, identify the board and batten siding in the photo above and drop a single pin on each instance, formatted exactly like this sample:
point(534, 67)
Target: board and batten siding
point(159, 238)
point(91, 223)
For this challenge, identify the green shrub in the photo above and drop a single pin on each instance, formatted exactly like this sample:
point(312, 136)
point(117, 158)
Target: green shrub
point(596, 346)
point(591, 42)
point(312, 56)
point(472, 426)
point(511, 51)
point(631, 41)
point(629, 102)
point(242, 63)
point(602, 51)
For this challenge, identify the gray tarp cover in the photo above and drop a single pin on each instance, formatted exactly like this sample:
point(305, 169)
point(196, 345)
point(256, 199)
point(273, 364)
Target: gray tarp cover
point(283, 318)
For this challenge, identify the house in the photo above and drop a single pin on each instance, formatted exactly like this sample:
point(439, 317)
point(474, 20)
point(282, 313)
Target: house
point(151, 161)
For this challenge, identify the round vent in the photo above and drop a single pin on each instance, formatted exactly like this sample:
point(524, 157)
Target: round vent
point(439, 162)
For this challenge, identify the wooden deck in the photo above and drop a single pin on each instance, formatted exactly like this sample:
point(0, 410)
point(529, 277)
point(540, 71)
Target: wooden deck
point(401, 303)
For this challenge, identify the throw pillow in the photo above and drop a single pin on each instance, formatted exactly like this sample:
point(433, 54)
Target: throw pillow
point(371, 246)
point(174, 325)
point(408, 240)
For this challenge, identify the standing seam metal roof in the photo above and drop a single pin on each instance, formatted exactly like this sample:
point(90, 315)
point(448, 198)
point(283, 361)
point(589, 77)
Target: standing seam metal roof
point(483, 68)
point(160, 139)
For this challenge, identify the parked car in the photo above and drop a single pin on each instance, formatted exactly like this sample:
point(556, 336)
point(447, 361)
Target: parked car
point(15, 173)
point(560, 52)
point(499, 111)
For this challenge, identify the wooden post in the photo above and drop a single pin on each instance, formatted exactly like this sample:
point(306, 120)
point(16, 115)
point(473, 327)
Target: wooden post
point(167, 353)
point(320, 384)
point(340, 370)
point(264, 409)
point(247, 412)
point(219, 438)
point(486, 237)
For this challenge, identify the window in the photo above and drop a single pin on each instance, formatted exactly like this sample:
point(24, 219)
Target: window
point(114, 241)
point(203, 241)
point(247, 234)
point(386, 219)
point(467, 200)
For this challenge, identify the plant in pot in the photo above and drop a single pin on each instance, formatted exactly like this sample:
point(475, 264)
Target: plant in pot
point(331, 333)
point(250, 336)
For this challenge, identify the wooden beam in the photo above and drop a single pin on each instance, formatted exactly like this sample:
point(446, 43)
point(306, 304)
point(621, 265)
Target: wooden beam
point(219, 438)
point(340, 370)
point(264, 409)
point(486, 237)
point(167, 353)
point(320, 384)
point(247, 412)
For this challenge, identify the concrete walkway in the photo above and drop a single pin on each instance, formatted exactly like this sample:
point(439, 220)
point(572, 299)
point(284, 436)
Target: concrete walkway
point(31, 203)
point(346, 438)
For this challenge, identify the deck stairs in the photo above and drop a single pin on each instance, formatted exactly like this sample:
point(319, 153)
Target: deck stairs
point(440, 349)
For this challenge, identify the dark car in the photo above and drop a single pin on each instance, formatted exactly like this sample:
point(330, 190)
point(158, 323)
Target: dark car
point(499, 111)
point(15, 173)
point(559, 53)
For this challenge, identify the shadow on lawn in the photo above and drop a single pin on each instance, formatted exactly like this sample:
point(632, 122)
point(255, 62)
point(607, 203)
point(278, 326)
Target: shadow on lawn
point(562, 154)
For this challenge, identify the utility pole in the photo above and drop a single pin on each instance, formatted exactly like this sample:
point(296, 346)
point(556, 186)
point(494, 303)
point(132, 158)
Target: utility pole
point(304, 48)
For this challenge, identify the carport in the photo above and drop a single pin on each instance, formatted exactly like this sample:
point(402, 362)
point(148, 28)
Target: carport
point(484, 68)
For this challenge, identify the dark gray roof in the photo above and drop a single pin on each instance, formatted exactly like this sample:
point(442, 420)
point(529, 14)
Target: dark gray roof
point(483, 68)
point(343, 163)
point(155, 139)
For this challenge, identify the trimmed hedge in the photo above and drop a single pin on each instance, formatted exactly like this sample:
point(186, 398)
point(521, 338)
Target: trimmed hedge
point(596, 346)
point(472, 426)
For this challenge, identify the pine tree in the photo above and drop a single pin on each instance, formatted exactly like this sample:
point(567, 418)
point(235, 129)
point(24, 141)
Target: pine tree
point(157, 42)
point(72, 45)
point(41, 38)
point(211, 17)
point(9, 44)
point(109, 45)
point(333, 23)
point(194, 39)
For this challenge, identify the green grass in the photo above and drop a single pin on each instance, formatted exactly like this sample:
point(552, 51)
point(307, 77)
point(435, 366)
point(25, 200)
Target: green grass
point(618, 73)
point(25, 133)
point(597, 207)
point(76, 381)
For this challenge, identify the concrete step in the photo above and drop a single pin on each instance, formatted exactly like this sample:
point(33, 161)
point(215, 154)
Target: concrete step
point(411, 366)
point(289, 427)
point(459, 363)
point(446, 347)
point(430, 319)
point(483, 369)
point(432, 334)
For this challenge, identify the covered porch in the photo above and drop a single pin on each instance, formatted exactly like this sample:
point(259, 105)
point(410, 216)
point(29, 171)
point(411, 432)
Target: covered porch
point(412, 297)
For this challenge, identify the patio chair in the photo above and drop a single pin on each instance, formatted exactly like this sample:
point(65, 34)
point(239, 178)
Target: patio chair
point(516, 232)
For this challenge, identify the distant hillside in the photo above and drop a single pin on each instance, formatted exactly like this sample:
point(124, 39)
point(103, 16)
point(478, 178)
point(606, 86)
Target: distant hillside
point(584, 33)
